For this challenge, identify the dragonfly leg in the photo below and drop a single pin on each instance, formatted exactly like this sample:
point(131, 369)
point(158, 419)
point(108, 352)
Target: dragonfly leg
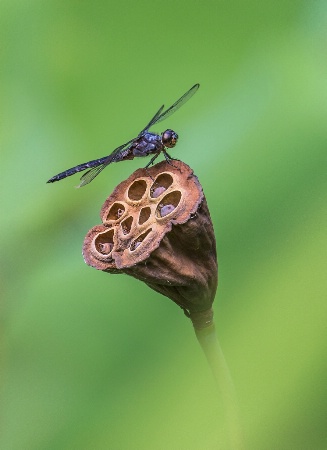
point(149, 164)
point(169, 159)
point(151, 160)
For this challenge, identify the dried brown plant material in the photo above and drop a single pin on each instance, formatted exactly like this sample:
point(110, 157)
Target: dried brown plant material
point(157, 228)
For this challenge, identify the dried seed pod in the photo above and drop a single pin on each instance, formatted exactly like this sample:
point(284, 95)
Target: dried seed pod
point(157, 228)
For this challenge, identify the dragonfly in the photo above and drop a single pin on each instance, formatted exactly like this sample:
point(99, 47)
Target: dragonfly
point(144, 144)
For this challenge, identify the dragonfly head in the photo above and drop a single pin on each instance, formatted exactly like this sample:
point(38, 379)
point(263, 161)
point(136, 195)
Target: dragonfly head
point(169, 138)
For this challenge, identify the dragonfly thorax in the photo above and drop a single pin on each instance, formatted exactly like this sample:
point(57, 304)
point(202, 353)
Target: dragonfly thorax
point(169, 138)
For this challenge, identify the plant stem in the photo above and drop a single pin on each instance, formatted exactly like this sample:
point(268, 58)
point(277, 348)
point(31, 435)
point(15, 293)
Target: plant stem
point(208, 340)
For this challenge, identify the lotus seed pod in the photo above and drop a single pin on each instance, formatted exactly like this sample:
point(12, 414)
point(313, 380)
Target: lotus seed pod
point(157, 228)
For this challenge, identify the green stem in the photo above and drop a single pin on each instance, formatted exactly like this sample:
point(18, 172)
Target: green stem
point(208, 340)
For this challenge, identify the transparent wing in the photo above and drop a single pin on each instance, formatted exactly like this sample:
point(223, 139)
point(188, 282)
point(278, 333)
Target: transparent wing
point(153, 120)
point(173, 108)
point(159, 116)
point(88, 176)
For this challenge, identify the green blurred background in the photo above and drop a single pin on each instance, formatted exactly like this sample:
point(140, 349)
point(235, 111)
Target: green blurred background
point(92, 361)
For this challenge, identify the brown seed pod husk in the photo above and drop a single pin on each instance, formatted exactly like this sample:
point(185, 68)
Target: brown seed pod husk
point(156, 227)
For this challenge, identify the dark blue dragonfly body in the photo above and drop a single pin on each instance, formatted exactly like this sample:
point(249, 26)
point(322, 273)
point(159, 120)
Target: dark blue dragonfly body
point(144, 144)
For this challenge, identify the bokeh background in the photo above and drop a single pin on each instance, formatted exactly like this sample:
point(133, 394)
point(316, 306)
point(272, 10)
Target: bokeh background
point(91, 361)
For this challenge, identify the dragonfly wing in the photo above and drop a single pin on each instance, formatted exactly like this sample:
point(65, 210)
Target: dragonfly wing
point(88, 176)
point(173, 108)
point(153, 120)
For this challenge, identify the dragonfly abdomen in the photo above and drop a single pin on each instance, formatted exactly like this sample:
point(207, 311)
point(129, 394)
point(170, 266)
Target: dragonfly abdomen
point(79, 168)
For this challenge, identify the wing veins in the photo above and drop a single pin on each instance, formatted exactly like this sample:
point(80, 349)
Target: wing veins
point(175, 106)
point(88, 176)
point(152, 121)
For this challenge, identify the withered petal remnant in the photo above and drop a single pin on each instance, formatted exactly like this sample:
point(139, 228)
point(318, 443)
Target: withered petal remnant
point(157, 228)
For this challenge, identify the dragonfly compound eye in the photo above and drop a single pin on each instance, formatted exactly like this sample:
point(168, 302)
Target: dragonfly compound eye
point(169, 138)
